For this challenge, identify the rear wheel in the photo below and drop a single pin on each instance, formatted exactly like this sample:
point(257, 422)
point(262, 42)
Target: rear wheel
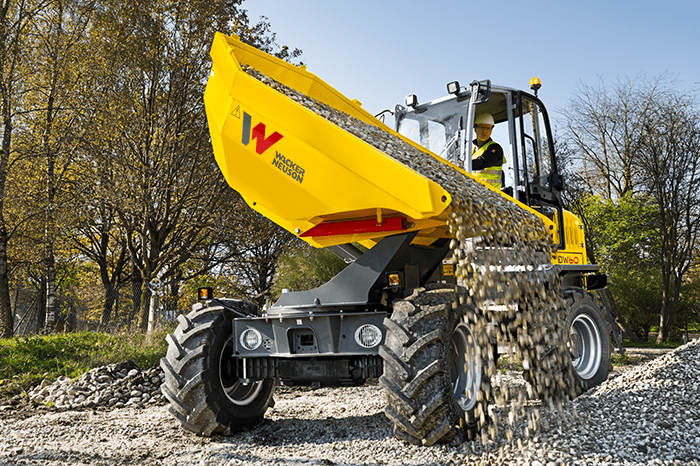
point(432, 368)
point(589, 345)
point(201, 384)
point(465, 367)
point(581, 363)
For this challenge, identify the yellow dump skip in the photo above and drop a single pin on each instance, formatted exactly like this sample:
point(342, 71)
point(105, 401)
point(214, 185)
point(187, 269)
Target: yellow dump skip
point(301, 171)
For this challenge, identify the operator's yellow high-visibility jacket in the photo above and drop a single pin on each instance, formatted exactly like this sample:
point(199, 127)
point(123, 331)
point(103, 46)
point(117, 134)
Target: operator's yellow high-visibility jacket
point(487, 163)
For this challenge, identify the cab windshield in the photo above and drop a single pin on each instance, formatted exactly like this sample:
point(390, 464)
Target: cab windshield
point(435, 127)
point(438, 126)
point(521, 130)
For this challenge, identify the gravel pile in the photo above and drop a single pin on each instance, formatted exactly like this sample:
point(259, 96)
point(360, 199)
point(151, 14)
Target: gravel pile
point(648, 414)
point(657, 405)
point(112, 386)
point(645, 414)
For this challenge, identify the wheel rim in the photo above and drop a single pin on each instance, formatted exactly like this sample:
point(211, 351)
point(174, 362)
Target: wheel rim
point(238, 393)
point(587, 346)
point(465, 367)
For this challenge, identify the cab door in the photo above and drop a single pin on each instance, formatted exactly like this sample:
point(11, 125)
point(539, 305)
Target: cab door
point(538, 181)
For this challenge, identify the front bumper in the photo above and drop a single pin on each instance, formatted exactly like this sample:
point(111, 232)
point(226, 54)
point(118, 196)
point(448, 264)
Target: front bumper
point(304, 334)
point(309, 348)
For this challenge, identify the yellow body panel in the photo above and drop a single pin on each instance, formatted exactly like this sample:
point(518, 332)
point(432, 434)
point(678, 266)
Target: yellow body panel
point(575, 252)
point(315, 171)
point(299, 170)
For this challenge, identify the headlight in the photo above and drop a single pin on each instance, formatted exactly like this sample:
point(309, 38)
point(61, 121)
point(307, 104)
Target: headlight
point(368, 336)
point(251, 339)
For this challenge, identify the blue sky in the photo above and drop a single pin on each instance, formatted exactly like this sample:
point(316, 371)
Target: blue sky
point(379, 51)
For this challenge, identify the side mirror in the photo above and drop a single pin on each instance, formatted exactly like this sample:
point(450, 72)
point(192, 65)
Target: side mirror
point(556, 181)
point(481, 91)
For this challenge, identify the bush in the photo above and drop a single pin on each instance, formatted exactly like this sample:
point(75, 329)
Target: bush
point(304, 268)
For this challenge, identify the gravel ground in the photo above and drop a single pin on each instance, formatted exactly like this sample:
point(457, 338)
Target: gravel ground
point(646, 413)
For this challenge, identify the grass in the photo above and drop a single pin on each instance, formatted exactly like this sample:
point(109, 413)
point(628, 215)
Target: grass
point(617, 359)
point(650, 343)
point(26, 361)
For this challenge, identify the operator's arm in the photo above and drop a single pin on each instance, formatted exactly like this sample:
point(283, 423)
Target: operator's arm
point(491, 158)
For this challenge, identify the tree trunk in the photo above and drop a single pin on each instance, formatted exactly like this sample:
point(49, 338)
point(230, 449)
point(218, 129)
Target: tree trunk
point(145, 306)
point(50, 289)
point(50, 220)
point(111, 294)
point(135, 296)
point(172, 298)
point(41, 306)
point(666, 314)
point(7, 321)
point(669, 311)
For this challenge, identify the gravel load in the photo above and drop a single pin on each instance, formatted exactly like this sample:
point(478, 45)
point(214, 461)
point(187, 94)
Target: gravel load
point(646, 414)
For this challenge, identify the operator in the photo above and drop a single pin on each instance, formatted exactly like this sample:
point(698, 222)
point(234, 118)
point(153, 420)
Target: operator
point(487, 154)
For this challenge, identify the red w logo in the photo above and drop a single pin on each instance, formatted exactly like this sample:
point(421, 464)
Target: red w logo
point(262, 143)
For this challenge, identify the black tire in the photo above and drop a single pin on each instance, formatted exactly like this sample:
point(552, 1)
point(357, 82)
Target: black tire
point(580, 363)
point(433, 375)
point(203, 394)
point(590, 339)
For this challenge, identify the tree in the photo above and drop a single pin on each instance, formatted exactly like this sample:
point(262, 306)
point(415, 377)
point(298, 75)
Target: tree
point(98, 239)
point(55, 116)
point(257, 245)
point(605, 128)
point(669, 160)
point(643, 139)
point(623, 236)
point(14, 19)
point(167, 190)
point(304, 267)
point(260, 36)
point(112, 120)
point(96, 231)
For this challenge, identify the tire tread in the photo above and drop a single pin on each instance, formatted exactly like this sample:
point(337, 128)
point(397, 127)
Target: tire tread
point(190, 383)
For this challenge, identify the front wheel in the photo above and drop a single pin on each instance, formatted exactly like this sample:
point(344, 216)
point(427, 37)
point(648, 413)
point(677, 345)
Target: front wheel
point(433, 373)
point(201, 384)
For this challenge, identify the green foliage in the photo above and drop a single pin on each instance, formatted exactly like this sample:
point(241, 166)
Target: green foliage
point(305, 267)
point(510, 362)
point(651, 343)
point(638, 298)
point(623, 230)
point(624, 239)
point(688, 310)
point(25, 361)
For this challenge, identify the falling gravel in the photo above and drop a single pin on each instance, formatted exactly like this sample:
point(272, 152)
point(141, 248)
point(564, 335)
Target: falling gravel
point(645, 414)
point(507, 235)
